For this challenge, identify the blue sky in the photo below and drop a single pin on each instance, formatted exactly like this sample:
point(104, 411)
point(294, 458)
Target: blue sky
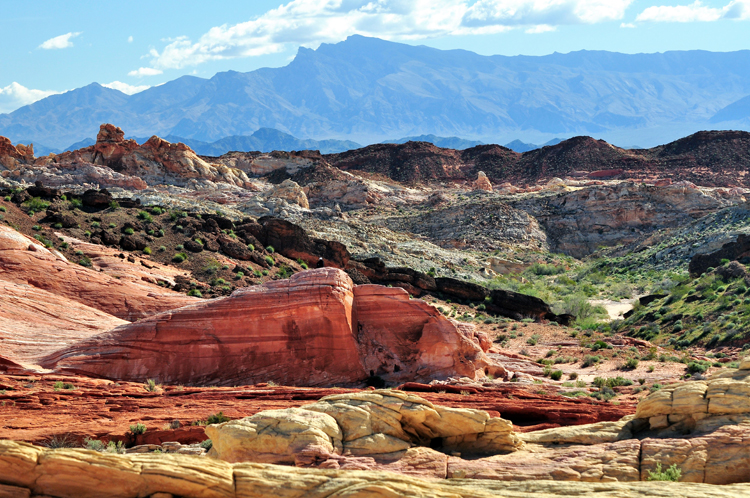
point(52, 46)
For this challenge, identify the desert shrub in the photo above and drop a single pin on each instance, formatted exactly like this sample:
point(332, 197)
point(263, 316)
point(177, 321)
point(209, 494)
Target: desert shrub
point(3, 209)
point(600, 345)
point(60, 441)
point(573, 375)
point(673, 473)
point(532, 341)
point(96, 224)
point(94, 444)
point(695, 367)
point(145, 216)
point(179, 257)
point(137, 429)
point(631, 364)
point(589, 360)
point(151, 385)
point(556, 375)
point(128, 231)
point(114, 205)
point(36, 204)
point(239, 274)
point(270, 249)
point(270, 260)
point(194, 293)
point(604, 394)
point(217, 418)
point(612, 382)
point(157, 210)
point(542, 269)
point(85, 261)
point(207, 444)
point(146, 250)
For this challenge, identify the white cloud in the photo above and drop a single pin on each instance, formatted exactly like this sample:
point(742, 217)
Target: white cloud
point(130, 39)
point(62, 41)
point(145, 71)
point(627, 25)
point(696, 12)
point(311, 22)
point(125, 88)
point(542, 28)
point(16, 95)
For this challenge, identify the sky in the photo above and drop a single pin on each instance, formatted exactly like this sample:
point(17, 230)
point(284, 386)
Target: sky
point(50, 46)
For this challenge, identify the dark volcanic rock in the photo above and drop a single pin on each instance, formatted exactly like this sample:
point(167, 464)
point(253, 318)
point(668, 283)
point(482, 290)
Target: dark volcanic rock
point(96, 198)
point(66, 220)
point(291, 241)
point(519, 306)
point(234, 249)
point(461, 289)
point(733, 251)
point(133, 242)
point(193, 246)
point(39, 190)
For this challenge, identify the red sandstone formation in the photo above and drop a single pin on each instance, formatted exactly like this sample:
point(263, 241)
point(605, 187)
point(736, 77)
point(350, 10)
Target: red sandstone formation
point(312, 329)
point(404, 339)
point(32, 410)
point(24, 261)
point(125, 163)
point(34, 322)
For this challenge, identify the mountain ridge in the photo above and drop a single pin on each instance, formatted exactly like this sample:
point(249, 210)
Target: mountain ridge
point(368, 90)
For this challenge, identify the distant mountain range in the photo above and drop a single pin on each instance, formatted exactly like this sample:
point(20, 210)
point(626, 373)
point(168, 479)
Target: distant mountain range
point(518, 146)
point(369, 90)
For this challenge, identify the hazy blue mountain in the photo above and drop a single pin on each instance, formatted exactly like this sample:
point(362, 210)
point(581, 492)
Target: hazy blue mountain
point(444, 142)
point(519, 146)
point(263, 140)
point(368, 90)
point(736, 111)
point(80, 144)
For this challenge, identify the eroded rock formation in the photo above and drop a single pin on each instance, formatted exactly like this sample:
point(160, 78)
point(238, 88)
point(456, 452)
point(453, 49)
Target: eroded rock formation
point(307, 330)
point(70, 473)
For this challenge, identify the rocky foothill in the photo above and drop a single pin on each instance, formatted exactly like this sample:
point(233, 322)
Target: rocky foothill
point(396, 320)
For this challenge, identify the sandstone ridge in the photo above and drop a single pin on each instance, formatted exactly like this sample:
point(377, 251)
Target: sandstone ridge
point(27, 470)
point(312, 329)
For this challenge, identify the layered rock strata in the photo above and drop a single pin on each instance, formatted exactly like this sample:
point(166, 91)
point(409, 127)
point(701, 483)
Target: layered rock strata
point(368, 424)
point(307, 330)
point(27, 470)
point(24, 261)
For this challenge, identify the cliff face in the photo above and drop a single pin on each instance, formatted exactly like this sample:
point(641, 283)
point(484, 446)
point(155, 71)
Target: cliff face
point(312, 329)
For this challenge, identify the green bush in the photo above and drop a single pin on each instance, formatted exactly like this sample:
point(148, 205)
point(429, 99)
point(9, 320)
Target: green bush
point(194, 293)
point(138, 429)
point(114, 206)
point(3, 209)
point(695, 367)
point(146, 250)
point(631, 364)
point(128, 231)
point(145, 216)
point(151, 385)
point(556, 375)
point(270, 249)
point(179, 257)
point(217, 418)
point(36, 204)
point(207, 444)
point(673, 473)
point(589, 360)
point(270, 260)
point(85, 261)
